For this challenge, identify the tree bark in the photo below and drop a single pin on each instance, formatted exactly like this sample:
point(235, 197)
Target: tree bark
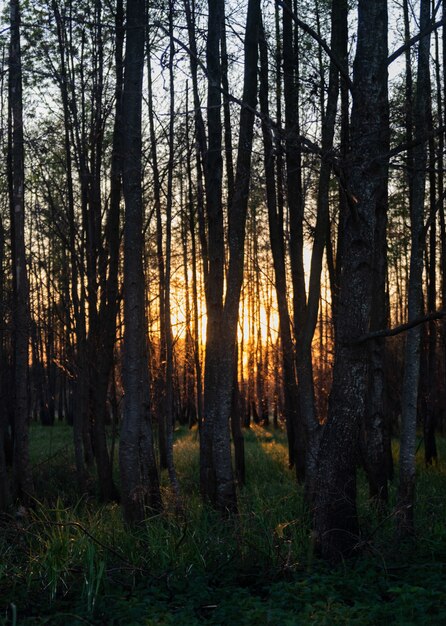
point(294, 425)
point(106, 323)
point(406, 487)
point(217, 480)
point(376, 440)
point(335, 516)
point(339, 35)
point(296, 208)
point(23, 483)
point(4, 479)
point(139, 476)
point(170, 417)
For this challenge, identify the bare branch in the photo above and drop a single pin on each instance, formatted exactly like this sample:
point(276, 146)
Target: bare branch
point(323, 44)
point(427, 31)
point(397, 330)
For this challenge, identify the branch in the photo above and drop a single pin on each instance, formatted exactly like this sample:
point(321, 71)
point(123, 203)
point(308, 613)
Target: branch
point(399, 51)
point(311, 147)
point(391, 332)
point(323, 44)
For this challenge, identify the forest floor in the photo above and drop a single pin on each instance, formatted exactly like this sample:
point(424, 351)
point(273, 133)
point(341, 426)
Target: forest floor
point(70, 561)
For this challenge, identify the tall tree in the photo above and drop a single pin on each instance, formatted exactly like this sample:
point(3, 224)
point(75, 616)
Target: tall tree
point(167, 302)
point(339, 35)
point(276, 234)
point(406, 487)
point(217, 482)
point(4, 479)
point(139, 475)
point(293, 157)
point(23, 484)
point(335, 516)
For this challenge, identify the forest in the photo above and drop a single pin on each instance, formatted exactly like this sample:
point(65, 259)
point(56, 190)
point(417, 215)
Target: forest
point(222, 312)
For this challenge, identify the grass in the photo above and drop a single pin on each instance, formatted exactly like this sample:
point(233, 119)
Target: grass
point(70, 561)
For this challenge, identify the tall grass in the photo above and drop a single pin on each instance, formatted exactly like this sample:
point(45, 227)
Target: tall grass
point(70, 560)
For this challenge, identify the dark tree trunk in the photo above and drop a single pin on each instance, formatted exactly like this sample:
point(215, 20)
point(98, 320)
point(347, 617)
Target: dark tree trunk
point(296, 208)
point(4, 479)
point(442, 118)
point(303, 348)
point(376, 423)
point(406, 487)
point(295, 432)
point(201, 161)
point(196, 335)
point(376, 440)
point(429, 418)
point(236, 427)
point(139, 476)
point(217, 480)
point(106, 331)
point(214, 283)
point(23, 483)
point(160, 381)
point(81, 435)
point(170, 415)
point(335, 516)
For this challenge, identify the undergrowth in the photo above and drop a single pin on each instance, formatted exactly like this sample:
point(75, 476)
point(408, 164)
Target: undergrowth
point(71, 561)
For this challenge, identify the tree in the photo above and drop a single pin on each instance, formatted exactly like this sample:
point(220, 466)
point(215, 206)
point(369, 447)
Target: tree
point(334, 516)
point(339, 30)
point(275, 219)
point(216, 476)
point(293, 157)
point(4, 479)
point(23, 484)
point(406, 487)
point(139, 476)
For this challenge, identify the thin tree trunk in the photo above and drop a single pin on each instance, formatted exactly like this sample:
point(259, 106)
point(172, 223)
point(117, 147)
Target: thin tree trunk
point(23, 483)
point(160, 381)
point(81, 436)
point(106, 329)
point(339, 31)
point(4, 479)
point(216, 470)
point(168, 326)
point(196, 333)
point(214, 285)
point(139, 476)
point(406, 487)
point(295, 432)
point(296, 207)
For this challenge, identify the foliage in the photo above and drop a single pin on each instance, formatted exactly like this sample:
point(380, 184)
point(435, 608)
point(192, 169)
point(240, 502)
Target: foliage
point(71, 561)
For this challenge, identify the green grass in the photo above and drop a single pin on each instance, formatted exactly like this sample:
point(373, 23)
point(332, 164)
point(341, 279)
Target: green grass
point(71, 561)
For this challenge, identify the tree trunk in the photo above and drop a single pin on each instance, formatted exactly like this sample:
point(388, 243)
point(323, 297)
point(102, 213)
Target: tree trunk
point(160, 381)
point(23, 483)
point(106, 332)
point(139, 477)
point(170, 416)
point(217, 480)
point(335, 516)
point(429, 421)
point(406, 487)
point(4, 480)
point(376, 423)
point(295, 432)
point(81, 435)
point(296, 208)
point(214, 284)
point(339, 35)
